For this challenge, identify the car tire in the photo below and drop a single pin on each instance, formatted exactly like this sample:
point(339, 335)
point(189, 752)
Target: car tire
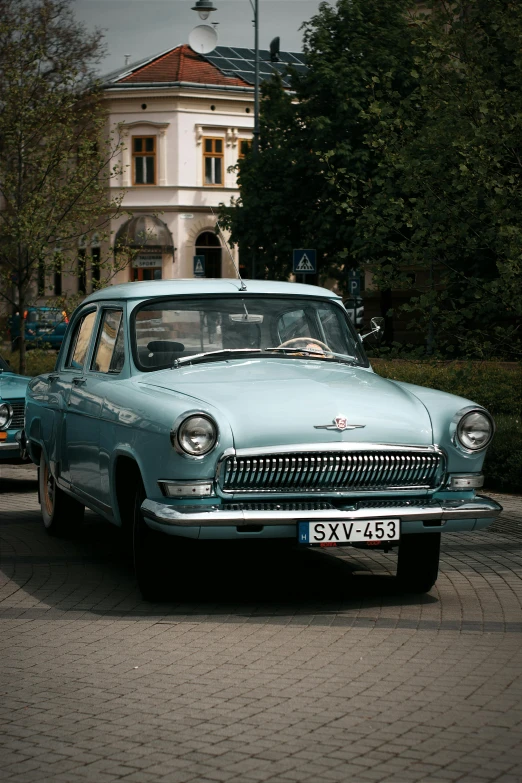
point(147, 552)
point(418, 562)
point(61, 513)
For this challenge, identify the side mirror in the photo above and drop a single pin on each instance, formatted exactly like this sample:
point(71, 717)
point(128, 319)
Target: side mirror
point(377, 325)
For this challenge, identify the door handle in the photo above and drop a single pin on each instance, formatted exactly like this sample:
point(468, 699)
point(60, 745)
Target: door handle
point(79, 381)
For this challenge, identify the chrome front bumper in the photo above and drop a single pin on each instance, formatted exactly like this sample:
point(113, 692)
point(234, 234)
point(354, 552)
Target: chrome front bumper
point(436, 511)
point(5, 446)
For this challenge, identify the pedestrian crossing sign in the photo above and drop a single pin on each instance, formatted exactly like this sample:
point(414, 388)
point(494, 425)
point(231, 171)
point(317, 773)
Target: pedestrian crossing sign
point(305, 262)
point(199, 266)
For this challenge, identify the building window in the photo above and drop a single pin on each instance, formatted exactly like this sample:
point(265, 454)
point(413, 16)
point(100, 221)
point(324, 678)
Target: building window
point(57, 274)
point(144, 160)
point(82, 271)
point(213, 161)
point(41, 277)
point(96, 261)
point(243, 147)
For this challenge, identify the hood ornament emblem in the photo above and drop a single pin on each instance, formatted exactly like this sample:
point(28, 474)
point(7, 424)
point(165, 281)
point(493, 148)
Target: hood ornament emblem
point(339, 423)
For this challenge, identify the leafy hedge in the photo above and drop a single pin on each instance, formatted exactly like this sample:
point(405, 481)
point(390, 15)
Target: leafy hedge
point(38, 361)
point(495, 385)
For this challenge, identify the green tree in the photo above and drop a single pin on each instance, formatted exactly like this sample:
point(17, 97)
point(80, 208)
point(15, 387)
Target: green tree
point(447, 197)
point(55, 156)
point(289, 197)
point(401, 148)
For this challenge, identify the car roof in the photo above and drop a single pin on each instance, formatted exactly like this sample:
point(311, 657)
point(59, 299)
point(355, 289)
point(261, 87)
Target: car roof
point(202, 286)
point(38, 308)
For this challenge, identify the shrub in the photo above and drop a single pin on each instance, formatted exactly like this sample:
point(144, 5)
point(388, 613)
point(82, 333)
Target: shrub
point(38, 361)
point(495, 385)
point(503, 466)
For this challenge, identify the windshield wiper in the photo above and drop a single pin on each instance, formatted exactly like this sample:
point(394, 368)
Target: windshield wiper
point(343, 357)
point(201, 357)
point(224, 352)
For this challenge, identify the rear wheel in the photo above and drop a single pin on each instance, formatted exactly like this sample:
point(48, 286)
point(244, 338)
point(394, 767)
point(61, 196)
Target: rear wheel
point(61, 513)
point(418, 562)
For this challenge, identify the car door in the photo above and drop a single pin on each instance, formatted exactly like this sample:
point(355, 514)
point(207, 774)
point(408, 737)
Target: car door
point(80, 436)
point(58, 386)
point(107, 367)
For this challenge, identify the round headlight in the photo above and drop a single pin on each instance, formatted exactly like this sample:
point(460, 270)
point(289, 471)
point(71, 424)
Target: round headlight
point(475, 430)
point(6, 414)
point(197, 435)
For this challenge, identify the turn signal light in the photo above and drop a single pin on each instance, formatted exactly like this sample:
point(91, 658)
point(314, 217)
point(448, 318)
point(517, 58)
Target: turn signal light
point(466, 481)
point(179, 489)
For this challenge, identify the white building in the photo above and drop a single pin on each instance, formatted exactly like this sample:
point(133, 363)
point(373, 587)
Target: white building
point(185, 120)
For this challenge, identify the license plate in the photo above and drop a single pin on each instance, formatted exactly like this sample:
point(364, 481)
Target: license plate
point(330, 533)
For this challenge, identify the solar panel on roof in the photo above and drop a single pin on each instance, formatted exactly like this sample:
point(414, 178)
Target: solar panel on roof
point(248, 76)
point(290, 58)
point(240, 62)
point(244, 54)
point(221, 62)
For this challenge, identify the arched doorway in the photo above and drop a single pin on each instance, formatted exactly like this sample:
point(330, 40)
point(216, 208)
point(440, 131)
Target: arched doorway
point(146, 240)
point(208, 245)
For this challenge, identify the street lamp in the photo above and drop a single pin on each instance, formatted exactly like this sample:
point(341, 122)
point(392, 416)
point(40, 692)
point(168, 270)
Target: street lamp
point(204, 8)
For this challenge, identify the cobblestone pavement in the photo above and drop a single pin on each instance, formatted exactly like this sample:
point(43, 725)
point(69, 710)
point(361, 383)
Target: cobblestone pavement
point(309, 667)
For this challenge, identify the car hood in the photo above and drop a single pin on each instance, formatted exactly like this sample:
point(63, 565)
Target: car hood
point(271, 402)
point(12, 386)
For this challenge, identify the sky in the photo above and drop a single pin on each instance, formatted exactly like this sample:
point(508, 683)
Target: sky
point(142, 28)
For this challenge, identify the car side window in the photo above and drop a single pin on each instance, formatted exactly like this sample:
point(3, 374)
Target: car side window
point(80, 342)
point(109, 355)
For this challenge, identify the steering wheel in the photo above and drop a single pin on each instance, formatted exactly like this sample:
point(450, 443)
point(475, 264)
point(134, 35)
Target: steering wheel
point(306, 342)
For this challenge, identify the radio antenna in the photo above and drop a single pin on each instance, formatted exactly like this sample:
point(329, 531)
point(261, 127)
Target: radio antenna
point(243, 286)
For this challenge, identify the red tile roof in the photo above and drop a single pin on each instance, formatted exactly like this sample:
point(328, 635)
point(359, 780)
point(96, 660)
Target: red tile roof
point(182, 64)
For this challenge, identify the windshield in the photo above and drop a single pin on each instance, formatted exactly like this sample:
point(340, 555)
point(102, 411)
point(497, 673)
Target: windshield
point(171, 330)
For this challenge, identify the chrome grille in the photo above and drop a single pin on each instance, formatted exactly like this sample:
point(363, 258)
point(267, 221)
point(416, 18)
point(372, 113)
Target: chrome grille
point(18, 419)
point(371, 470)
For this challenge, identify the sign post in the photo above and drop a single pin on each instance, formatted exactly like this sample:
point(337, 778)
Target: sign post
point(199, 266)
point(305, 262)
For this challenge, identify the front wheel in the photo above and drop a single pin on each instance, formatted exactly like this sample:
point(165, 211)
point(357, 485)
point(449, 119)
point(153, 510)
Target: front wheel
point(418, 562)
point(61, 513)
point(148, 553)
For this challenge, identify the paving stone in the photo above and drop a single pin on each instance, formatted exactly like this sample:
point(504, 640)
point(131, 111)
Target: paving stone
point(310, 667)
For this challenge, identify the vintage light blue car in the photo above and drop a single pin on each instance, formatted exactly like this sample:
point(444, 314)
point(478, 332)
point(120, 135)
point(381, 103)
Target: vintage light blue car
point(12, 405)
point(217, 409)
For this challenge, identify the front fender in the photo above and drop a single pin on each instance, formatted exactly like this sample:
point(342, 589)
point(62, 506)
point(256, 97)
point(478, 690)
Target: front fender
point(138, 426)
point(441, 408)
